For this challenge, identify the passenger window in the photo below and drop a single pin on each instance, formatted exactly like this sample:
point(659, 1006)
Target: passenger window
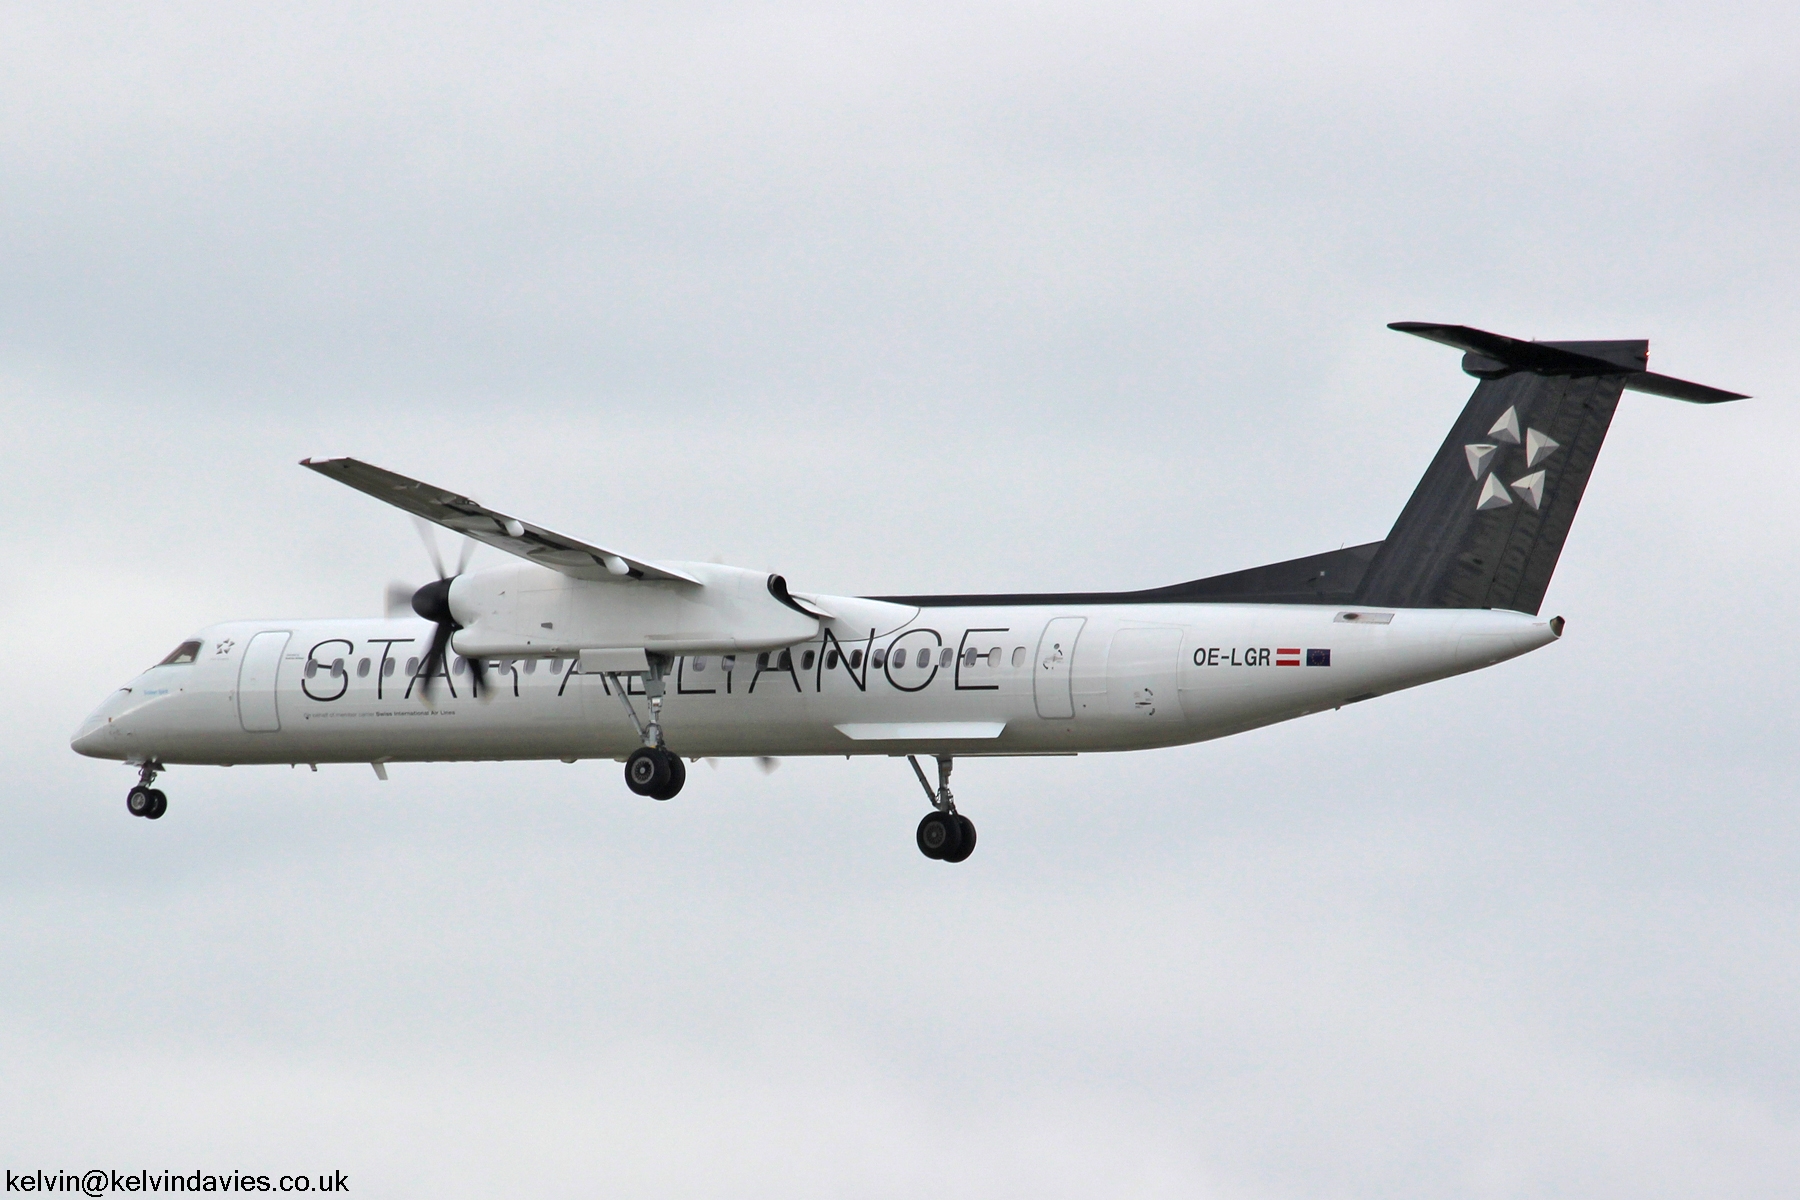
point(699, 665)
point(337, 668)
point(969, 657)
point(878, 659)
point(831, 660)
point(806, 661)
point(856, 660)
point(993, 657)
point(462, 664)
point(181, 655)
point(312, 669)
point(762, 661)
point(785, 662)
point(362, 668)
point(412, 666)
point(728, 664)
point(944, 657)
point(556, 666)
point(531, 666)
point(1018, 656)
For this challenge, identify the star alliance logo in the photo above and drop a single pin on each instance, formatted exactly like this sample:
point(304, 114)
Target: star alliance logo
point(1482, 455)
point(224, 646)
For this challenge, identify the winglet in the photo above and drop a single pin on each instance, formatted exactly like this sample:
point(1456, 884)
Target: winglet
point(1495, 356)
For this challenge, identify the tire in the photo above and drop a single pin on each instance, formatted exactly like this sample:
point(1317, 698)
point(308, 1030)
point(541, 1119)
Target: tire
point(938, 836)
point(139, 801)
point(677, 777)
point(965, 827)
point(647, 771)
point(160, 806)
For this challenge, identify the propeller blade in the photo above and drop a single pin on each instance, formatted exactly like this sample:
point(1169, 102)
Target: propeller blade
point(713, 763)
point(766, 764)
point(468, 552)
point(399, 599)
point(476, 678)
point(429, 537)
point(433, 663)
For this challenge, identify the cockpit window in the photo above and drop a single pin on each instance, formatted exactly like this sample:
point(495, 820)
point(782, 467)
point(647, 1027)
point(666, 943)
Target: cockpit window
point(187, 652)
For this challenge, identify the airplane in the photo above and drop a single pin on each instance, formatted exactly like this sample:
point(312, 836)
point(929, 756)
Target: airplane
point(577, 651)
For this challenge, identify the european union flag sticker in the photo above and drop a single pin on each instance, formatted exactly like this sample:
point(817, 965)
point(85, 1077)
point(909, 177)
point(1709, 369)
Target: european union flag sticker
point(1318, 658)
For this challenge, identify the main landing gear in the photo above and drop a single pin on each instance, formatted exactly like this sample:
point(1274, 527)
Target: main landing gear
point(944, 834)
point(144, 800)
point(653, 770)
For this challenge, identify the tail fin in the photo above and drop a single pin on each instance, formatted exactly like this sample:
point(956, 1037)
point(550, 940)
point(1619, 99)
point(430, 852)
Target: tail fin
point(1486, 524)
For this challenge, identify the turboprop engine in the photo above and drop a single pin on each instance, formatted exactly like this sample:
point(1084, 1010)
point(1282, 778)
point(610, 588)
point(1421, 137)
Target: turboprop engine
point(526, 610)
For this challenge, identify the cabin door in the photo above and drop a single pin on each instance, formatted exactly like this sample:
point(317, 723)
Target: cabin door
point(1051, 670)
point(256, 682)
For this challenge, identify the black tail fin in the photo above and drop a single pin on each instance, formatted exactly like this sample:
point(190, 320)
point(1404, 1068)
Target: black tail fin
point(1487, 522)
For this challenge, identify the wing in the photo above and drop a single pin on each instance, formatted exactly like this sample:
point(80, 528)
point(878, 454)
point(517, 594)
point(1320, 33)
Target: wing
point(490, 528)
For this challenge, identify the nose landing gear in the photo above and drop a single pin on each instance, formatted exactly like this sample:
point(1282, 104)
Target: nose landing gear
point(144, 800)
point(944, 834)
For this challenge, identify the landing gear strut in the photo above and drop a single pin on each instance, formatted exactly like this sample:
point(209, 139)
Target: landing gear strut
point(144, 800)
point(944, 834)
point(653, 769)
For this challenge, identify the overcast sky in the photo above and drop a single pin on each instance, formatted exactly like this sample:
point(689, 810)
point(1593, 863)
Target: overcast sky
point(905, 298)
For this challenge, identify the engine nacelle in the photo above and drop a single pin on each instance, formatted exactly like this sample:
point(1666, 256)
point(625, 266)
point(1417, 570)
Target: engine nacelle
point(526, 610)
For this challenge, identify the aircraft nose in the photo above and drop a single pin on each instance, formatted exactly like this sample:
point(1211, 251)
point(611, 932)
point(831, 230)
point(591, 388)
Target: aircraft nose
point(100, 736)
point(93, 739)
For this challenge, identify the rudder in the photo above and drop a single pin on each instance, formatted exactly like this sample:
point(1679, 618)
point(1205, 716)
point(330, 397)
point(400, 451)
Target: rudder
point(1486, 524)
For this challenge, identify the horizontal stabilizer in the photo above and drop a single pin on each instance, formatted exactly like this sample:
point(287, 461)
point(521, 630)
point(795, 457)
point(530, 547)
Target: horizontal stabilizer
point(1495, 356)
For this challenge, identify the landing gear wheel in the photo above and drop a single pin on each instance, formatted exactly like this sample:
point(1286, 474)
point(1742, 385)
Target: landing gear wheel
point(647, 771)
point(677, 777)
point(161, 805)
point(967, 828)
point(140, 801)
point(940, 836)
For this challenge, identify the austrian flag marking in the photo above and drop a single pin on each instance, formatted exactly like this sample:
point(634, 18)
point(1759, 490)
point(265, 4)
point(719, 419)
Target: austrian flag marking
point(1287, 658)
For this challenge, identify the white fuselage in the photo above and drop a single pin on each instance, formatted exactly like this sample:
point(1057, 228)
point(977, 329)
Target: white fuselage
point(996, 680)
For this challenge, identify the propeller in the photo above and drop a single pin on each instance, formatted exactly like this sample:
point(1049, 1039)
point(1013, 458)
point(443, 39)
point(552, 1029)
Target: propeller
point(764, 763)
point(398, 601)
point(428, 535)
point(433, 603)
